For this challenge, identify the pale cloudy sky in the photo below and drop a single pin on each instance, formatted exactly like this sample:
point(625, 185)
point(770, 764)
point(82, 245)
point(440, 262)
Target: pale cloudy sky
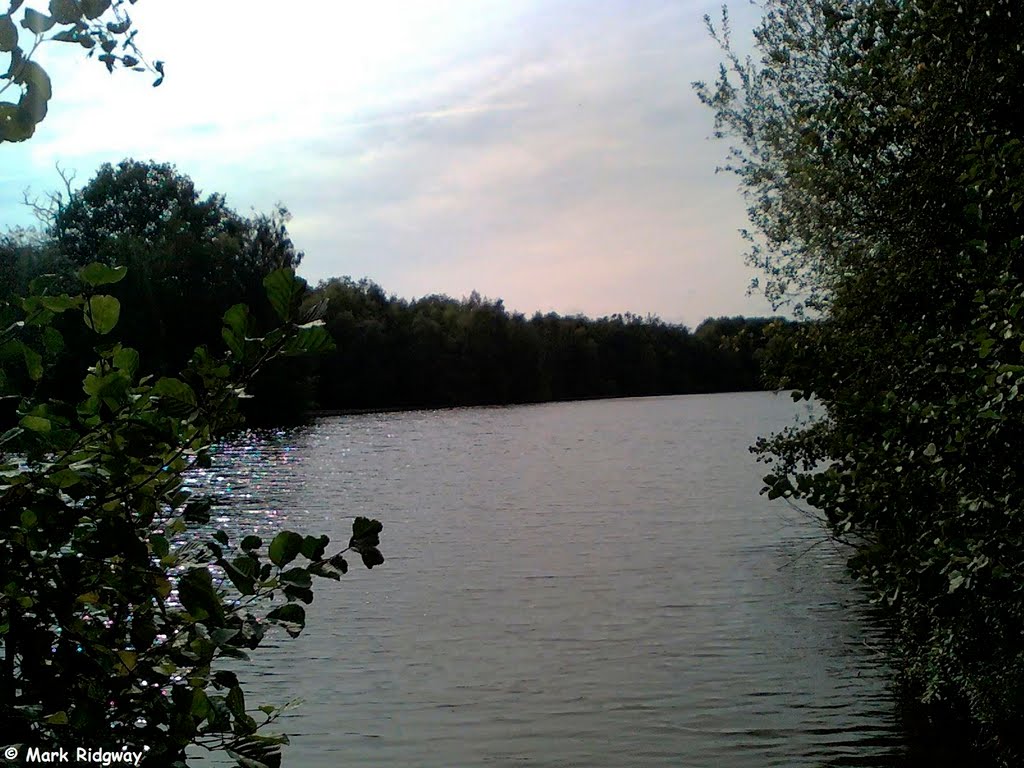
point(550, 153)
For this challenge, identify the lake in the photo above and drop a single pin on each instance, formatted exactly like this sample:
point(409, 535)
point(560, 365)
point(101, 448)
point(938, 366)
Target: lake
point(571, 584)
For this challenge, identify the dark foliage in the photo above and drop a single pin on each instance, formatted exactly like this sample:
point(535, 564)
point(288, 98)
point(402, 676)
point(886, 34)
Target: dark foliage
point(879, 145)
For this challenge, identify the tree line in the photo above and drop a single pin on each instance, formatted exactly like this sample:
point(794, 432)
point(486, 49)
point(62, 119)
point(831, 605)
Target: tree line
point(189, 257)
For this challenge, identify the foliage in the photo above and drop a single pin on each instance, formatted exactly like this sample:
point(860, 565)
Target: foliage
point(149, 217)
point(102, 27)
point(475, 352)
point(175, 242)
point(878, 143)
point(118, 602)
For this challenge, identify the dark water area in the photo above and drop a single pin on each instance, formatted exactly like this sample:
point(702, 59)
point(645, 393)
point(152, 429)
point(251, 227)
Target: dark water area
point(571, 584)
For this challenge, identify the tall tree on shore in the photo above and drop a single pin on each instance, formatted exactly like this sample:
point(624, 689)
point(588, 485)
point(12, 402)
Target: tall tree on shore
point(879, 146)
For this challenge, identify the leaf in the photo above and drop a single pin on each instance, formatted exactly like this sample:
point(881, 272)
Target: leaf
point(176, 397)
point(32, 105)
point(96, 274)
point(35, 423)
point(310, 340)
point(197, 511)
point(119, 27)
point(291, 616)
point(93, 9)
point(251, 542)
point(36, 22)
point(15, 125)
point(159, 544)
point(297, 577)
point(101, 313)
point(65, 11)
point(65, 478)
point(332, 569)
point(236, 701)
point(285, 546)
point(236, 328)
point(128, 660)
point(365, 533)
point(195, 590)
point(60, 303)
point(242, 573)
point(8, 34)
point(313, 547)
point(53, 340)
point(33, 363)
point(371, 557)
point(57, 718)
point(127, 360)
point(284, 291)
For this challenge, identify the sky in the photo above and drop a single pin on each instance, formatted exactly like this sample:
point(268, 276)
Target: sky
point(552, 154)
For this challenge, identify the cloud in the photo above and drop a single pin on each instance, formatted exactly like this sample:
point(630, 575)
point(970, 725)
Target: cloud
point(551, 153)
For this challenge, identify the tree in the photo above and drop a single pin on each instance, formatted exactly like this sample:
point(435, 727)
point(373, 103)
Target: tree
point(151, 218)
point(118, 600)
point(102, 27)
point(878, 143)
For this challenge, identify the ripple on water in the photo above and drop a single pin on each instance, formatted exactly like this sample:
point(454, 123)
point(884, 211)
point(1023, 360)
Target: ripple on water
point(575, 584)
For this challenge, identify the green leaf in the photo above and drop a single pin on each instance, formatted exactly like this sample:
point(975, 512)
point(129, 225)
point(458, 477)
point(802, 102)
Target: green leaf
point(93, 9)
point(159, 544)
point(284, 291)
point(8, 34)
point(284, 548)
point(35, 423)
point(101, 313)
point(65, 11)
point(33, 362)
point(36, 22)
point(242, 573)
point(65, 478)
point(57, 718)
point(313, 547)
point(251, 542)
point(195, 590)
point(127, 360)
point(96, 274)
point(236, 701)
point(15, 125)
point(52, 340)
point(28, 518)
point(310, 341)
point(176, 397)
point(291, 616)
point(236, 328)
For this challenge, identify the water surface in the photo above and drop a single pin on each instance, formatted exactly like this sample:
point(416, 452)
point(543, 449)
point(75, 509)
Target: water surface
point(572, 584)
